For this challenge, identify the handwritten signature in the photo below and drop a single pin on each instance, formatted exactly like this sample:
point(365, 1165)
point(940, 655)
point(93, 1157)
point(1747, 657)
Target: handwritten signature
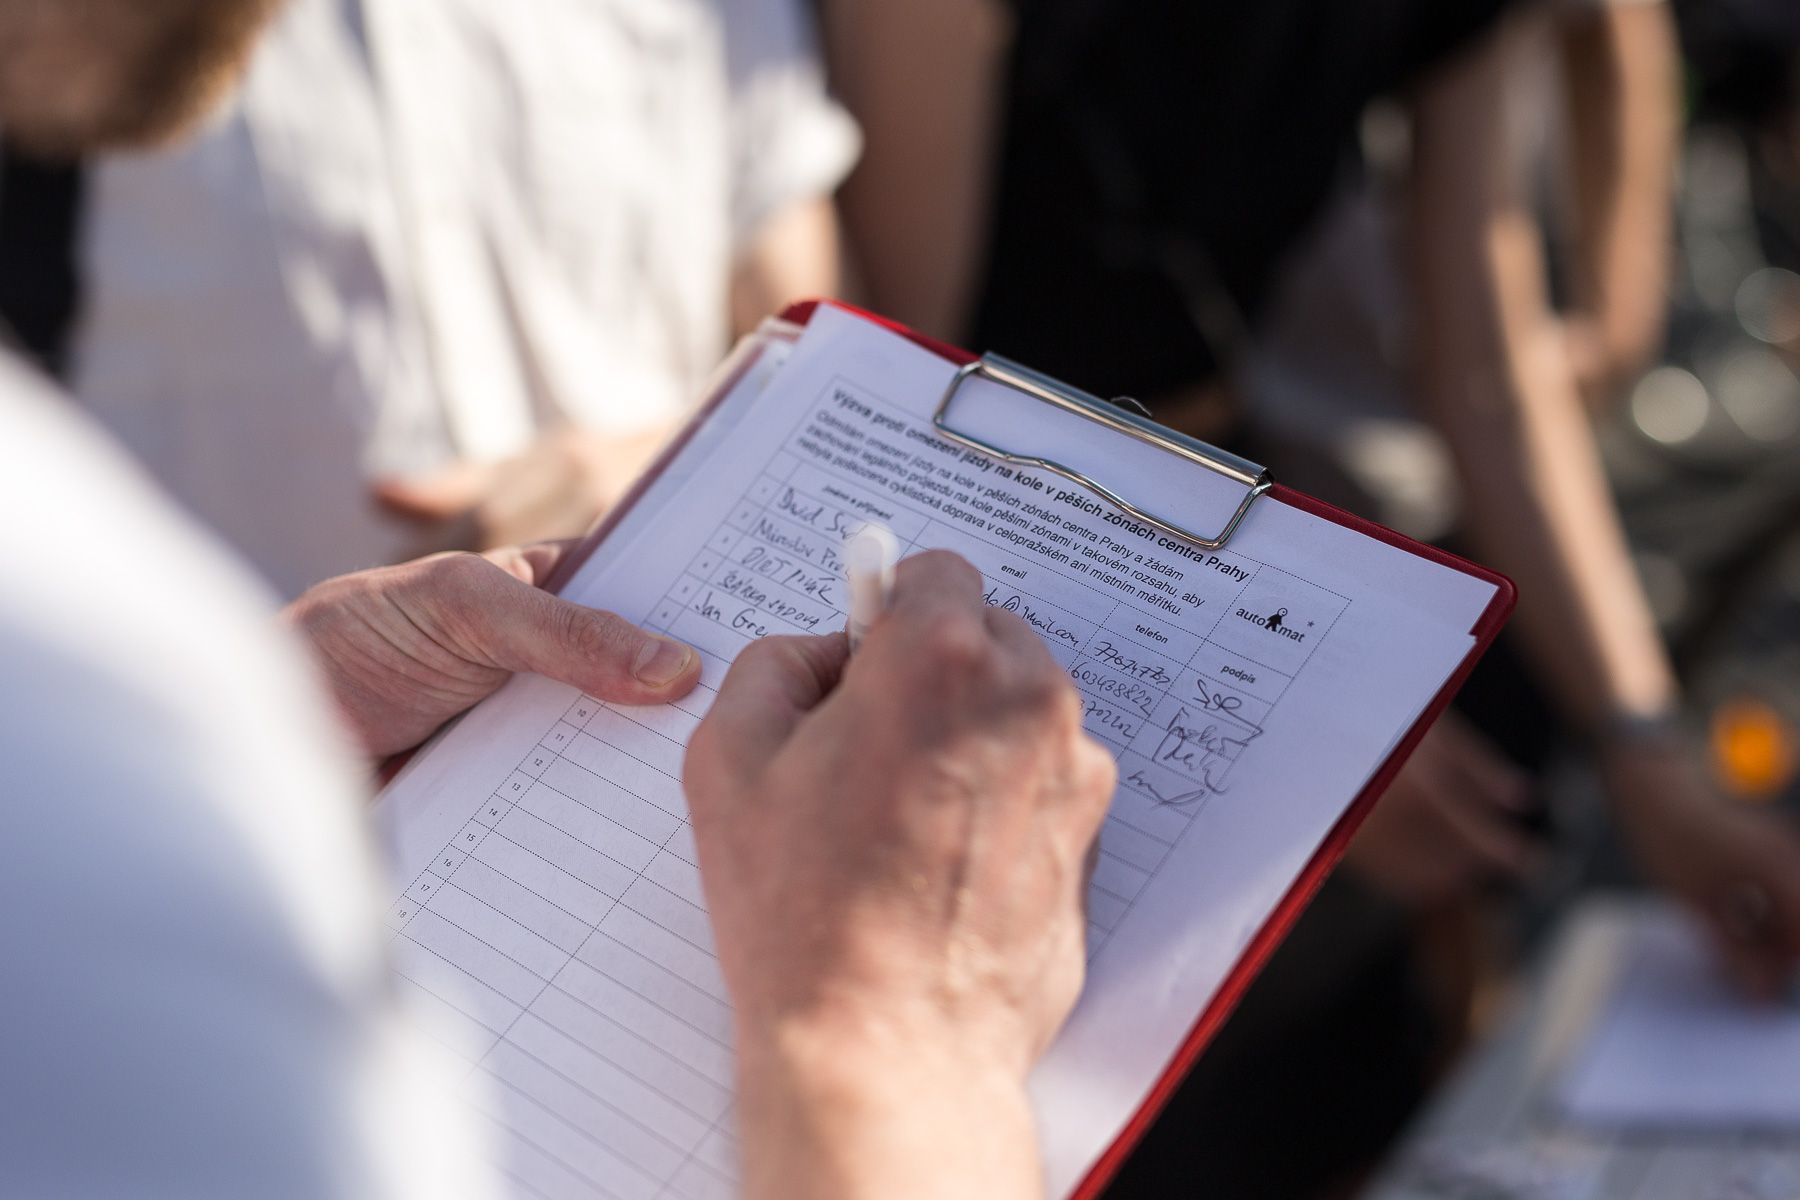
point(769, 565)
point(1202, 751)
point(1136, 780)
point(824, 557)
point(746, 621)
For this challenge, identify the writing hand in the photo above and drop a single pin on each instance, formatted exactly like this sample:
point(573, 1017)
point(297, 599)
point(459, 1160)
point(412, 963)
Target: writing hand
point(1448, 823)
point(406, 648)
point(895, 852)
point(557, 488)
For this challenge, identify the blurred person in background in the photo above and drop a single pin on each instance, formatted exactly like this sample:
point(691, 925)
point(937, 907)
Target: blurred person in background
point(1745, 61)
point(196, 996)
point(1112, 194)
point(445, 275)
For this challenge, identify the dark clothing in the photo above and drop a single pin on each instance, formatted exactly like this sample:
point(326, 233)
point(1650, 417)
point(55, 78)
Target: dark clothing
point(40, 204)
point(1313, 1075)
point(1159, 159)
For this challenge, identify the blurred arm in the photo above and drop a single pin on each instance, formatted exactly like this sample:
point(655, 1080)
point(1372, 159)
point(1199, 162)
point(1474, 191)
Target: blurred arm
point(925, 80)
point(796, 255)
point(1621, 68)
point(1497, 381)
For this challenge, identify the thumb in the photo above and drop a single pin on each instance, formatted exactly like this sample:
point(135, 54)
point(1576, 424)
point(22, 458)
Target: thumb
point(436, 497)
point(601, 653)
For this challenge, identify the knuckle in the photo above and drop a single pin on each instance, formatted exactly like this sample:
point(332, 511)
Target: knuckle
point(1046, 692)
point(458, 571)
point(759, 658)
point(459, 564)
point(698, 765)
point(1001, 616)
point(956, 646)
point(1099, 773)
point(597, 636)
point(945, 567)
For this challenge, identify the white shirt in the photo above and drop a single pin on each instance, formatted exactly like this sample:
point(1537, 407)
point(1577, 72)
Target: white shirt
point(194, 1000)
point(429, 230)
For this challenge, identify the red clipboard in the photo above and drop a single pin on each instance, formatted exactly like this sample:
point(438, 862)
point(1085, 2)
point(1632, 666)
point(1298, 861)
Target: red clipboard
point(1263, 944)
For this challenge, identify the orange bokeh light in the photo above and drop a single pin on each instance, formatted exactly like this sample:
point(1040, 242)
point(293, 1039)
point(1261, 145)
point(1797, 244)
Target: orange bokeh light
point(1753, 749)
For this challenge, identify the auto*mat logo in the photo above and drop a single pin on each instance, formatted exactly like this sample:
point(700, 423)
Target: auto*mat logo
point(1275, 622)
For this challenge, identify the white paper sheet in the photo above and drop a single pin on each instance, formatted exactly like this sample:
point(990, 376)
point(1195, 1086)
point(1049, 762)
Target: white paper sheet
point(1676, 1047)
point(552, 916)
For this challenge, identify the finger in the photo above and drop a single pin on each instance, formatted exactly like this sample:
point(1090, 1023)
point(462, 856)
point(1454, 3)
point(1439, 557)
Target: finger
point(522, 495)
point(534, 563)
point(1097, 779)
point(1472, 762)
point(769, 690)
point(601, 653)
point(1757, 913)
point(1784, 883)
point(1013, 633)
point(1024, 653)
point(1761, 920)
point(1754, 961)
point(930, 585)
point(544, 497)
point(1492, 845)
point(1491, 781)
point(458, 535)
point(441, 496)
point(1090, 862)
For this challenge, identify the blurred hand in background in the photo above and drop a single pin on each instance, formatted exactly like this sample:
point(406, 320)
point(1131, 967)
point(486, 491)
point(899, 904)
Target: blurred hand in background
point(565, 482)
point(1450, 822)
point(1738, 868)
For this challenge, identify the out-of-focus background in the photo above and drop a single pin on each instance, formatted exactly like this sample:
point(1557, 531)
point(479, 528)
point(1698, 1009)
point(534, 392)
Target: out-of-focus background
point(1704, 449)
point(1703, 452)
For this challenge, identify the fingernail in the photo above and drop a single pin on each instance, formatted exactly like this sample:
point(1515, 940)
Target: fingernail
point(661, 662)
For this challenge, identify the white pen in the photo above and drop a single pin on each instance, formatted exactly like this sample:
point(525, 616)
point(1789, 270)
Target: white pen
point(869, 558)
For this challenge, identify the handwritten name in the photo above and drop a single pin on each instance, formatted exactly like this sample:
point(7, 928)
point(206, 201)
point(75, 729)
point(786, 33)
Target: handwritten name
point(1137, 782)
point(746, 620)
point(769, 565)
point(825, 557)
point(1204, 752)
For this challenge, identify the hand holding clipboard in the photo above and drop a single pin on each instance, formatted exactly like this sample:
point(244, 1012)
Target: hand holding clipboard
point(1256, 687)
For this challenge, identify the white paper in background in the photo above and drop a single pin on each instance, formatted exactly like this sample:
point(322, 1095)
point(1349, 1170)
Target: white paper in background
point(551, 914)
point(1675, 1047)
point(1528, 1167)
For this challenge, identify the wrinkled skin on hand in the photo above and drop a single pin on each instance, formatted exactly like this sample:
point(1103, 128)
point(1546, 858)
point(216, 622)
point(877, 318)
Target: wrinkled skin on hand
point(404, 649)
point(895, 851)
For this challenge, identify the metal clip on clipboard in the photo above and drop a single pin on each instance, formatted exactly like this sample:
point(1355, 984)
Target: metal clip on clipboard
point(1255, 477)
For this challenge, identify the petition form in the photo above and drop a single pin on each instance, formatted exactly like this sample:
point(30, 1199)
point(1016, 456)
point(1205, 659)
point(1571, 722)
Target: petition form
point(549, 922)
